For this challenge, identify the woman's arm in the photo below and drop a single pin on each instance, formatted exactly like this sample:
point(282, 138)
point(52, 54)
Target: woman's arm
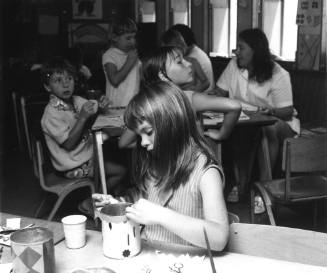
point(231, 109)
point(191, 229)
point(284, 113)
point(127, 139)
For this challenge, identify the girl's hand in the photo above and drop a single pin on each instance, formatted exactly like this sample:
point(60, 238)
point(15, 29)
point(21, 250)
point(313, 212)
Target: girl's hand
point(132, 56)
point(144, 212)
point(214, 134)
point(104, 103)
point(88, 110)
point(101, 200)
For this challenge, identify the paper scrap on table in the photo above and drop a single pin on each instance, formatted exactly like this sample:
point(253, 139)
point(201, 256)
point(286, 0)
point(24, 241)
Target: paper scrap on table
point(13, 223)
point(163, 263)
point(212, 118)
point(5, 268)
point(108, 121)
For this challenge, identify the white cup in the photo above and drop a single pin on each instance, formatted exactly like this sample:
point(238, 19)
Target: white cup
point(75, 231)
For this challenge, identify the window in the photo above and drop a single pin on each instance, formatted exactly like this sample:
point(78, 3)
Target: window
point(279, 24)
point(277, 18)
point(147, 11)
point(223, 27)
point(180, 12)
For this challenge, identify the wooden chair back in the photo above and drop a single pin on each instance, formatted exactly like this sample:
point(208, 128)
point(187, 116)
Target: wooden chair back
point(305, 154)
point(275, 242)
point(32, 107)
point(44, 165)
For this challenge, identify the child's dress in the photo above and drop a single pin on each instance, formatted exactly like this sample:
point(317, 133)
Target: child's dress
point(186, 200)
point(123, 93)
point(57, 121)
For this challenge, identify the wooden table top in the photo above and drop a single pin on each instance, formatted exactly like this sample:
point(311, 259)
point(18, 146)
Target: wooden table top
point(255, 119)
point(91, 256)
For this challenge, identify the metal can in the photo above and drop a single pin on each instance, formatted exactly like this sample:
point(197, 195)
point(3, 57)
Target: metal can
point(33, 250)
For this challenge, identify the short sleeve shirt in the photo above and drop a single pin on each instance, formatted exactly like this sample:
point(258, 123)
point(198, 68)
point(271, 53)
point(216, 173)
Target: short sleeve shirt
point(123, 93)
point(57, 121)
point(205, 63)
point(276, 92)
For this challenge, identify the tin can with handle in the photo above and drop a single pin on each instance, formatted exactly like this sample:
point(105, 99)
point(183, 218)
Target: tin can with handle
point(121, 236)
point(33, 250)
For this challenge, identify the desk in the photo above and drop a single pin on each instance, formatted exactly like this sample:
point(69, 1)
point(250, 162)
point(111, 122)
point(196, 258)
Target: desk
point(255, 120)
point(92, 256)
point(113, 125)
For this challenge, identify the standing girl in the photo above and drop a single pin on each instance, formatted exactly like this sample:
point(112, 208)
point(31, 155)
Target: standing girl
point(121, 63)
point(180, 182)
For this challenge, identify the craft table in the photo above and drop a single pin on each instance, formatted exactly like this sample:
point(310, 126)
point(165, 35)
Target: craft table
point(91, 256)
point(255, 120)
point(113, 125)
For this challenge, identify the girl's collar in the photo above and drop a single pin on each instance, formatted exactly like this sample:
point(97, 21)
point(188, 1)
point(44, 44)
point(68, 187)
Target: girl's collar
point(61, 105)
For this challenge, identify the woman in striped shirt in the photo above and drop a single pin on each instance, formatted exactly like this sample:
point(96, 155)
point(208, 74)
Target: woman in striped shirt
point(180, 184)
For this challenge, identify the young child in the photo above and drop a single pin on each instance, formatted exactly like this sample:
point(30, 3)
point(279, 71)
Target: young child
point(179, 181)
point(121, 64)
point(66, 124)
point(167, 63)
point(200, 81)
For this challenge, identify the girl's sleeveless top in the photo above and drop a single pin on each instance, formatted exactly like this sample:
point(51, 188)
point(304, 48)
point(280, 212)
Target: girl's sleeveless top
point(186, 200)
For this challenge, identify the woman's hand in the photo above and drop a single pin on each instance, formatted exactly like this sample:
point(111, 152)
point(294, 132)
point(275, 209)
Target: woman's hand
point(101, 200)
point(144, 212)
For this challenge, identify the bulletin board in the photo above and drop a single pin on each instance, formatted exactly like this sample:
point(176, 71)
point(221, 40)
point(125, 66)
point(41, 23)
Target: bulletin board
point(87, 9)
point(96, 33)
point(309, 20)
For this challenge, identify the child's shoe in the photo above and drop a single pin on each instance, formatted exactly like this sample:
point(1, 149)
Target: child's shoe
point(86, 207)
point(259, 206)
point(233, 196)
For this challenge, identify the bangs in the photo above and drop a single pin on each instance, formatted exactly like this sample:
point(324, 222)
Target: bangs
point(134, 115)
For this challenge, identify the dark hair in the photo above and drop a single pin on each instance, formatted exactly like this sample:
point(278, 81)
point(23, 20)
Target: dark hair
point(186, 32)
point(262, 59)
point(123, 26)
point(154, 63)
point(177, 140)
point(56, 65)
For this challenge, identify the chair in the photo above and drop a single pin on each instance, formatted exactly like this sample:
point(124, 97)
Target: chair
point(304, 163)
point(50, 181)
point(32, 107)
point(233, 218)
point(14, 97)
point(282, 243)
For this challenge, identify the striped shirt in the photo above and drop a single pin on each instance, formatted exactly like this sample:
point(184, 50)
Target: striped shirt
point(186, 200)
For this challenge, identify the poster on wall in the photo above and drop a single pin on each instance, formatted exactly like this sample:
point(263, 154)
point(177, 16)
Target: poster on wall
point(87, 9)
point(87, 33)
point(309, 13)
point(309, 20)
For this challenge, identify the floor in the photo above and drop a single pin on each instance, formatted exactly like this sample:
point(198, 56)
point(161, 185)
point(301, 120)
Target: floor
point(22, 194)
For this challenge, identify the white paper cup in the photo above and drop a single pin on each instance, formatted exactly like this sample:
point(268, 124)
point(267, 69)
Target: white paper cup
point(75, 231)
